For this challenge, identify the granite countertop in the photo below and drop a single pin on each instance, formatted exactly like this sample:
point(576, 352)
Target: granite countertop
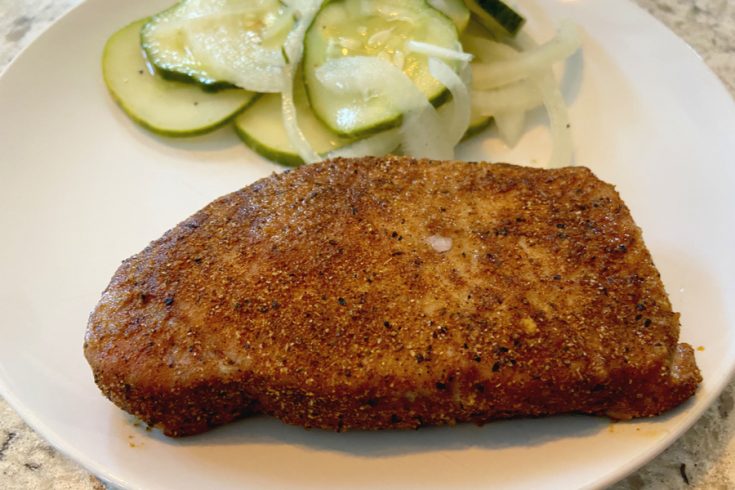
point(704, 458)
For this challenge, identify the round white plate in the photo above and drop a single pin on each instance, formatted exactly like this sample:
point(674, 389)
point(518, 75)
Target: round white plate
point(81, 188)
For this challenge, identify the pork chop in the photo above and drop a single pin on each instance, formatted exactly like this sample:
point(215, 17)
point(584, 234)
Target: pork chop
point(393, 293)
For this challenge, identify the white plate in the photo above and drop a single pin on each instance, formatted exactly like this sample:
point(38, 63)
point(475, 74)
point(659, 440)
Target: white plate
point(81, 188)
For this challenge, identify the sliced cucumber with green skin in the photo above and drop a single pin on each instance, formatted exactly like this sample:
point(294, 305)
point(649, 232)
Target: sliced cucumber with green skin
point(162, 106)
point(477, 124)
point(221, 42)
point(261, 128)
point(455, 10)
point(378, 28)
point(475, 28)
point(497, 16)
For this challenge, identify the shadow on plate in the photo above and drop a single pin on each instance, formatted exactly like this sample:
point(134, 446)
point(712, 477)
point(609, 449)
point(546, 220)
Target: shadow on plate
point(498, 435)
point(263, 430)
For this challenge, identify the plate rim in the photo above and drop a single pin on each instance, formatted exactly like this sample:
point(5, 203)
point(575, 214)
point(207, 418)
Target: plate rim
point(696, 407)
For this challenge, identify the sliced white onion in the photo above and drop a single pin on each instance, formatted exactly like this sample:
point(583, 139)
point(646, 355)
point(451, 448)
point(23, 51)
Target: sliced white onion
point(486, 50)
point(305, 11)
point(458, 119)
point(520, 96)
point(507, 104)
point(531, 62)
point(290, 121)
point(423, 135)
point(437, 51)
point(293, 48)
point(510, 126)
point(561, 134)
point(525, 42)
point(455, 10)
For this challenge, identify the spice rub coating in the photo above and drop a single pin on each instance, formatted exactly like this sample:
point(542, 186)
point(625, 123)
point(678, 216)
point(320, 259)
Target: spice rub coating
point(393, 293)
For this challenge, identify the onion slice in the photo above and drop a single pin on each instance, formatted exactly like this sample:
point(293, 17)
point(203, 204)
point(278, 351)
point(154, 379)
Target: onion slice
point(561, 135)
point(508, 83)
point(290, 121)
point(422, 131)
point(459, 116)
point(293, 50)
point(423, 135)
point(510, 126)
point(529, 63)
point(486, 50)
point(562, 152)
point(520, 96)
point(438, 51)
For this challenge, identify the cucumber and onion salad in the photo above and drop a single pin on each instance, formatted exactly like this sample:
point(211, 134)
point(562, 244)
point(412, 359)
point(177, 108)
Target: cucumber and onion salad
point(303, 80)
point(167, 108)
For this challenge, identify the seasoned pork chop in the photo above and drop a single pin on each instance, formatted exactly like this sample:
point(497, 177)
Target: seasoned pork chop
point(393, 293)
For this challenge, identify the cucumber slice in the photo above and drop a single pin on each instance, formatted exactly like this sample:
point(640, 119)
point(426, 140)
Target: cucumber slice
point(221, 42)
point(477, 124)
point(377, 28)
point(476, 29)
point(261, 128)
point(455, 10)
point(164, 107)
point(497, 16)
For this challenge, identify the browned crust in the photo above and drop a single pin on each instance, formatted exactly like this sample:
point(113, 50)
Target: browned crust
point(315, 297)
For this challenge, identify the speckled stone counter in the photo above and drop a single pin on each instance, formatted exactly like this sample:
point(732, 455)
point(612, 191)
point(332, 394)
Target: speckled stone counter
point(704, 458)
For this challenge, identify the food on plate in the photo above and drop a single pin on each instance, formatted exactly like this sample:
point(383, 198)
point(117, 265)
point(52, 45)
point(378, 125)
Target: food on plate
point(408, 76)
point(455, 10)
point(380, 293)
point(497, 16)
point(221, 43)
point(393, 33)
point(162, 106)
point(262, 129)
